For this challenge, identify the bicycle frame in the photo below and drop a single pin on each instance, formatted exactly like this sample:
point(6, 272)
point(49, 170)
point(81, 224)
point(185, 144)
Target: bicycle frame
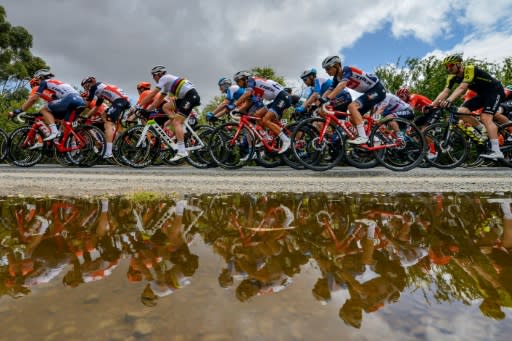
point(68, 131)
point(166, 139)
point(331, 116)
point(453, 125)
point(245, 121)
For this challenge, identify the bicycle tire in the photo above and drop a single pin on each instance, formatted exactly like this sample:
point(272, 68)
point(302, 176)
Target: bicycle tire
point(19, 153)
point(4, 139)
point(93, 150)
point(288, 157)
point(315, 155)
point(130, 154)
point(450, 154)
point(410, 151)
point(200, 158)
point(359, 157)
point(505, 139)
point(229, 153)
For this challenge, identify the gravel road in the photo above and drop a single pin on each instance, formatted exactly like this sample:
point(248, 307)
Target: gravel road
point(52, 180)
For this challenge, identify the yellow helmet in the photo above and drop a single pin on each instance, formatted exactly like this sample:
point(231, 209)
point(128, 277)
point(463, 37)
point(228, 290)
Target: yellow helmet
point(452, 59)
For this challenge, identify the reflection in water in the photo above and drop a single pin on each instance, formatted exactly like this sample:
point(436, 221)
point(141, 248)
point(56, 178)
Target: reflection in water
point(450, 248)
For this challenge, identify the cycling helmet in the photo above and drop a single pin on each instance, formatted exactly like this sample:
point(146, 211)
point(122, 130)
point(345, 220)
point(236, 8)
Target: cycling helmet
point(307, 73)
point(331, 61)
point(143, 86)
point(241, 74)
point(34, 82)
point(403, 92)
point(224, 82)
point(43, 74)
point(158, 69)
point(452, 59)
point(88, 80)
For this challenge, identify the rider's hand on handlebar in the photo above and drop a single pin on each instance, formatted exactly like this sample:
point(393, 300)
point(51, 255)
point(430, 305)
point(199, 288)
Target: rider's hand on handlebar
point(323, 100)
point(445, 103)
point(210, 117)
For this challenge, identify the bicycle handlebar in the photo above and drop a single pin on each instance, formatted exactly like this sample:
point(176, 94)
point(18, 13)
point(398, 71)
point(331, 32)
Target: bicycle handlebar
point(19, 118)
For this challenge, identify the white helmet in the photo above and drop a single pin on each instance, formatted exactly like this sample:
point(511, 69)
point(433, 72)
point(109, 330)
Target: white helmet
point(331, 61)
point(43, 74)
point(158, 69)
point(241, 74)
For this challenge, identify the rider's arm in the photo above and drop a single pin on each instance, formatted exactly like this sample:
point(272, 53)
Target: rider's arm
point(247, 94)
point(311, 99)
point(331, 94)
point(149, 98)
point(442, 95)
point(461, 89)
point(30, 102)
point(221, 108)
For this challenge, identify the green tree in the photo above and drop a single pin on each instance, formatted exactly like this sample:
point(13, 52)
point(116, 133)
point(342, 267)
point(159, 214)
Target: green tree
point(268, 73)
point(17, 63)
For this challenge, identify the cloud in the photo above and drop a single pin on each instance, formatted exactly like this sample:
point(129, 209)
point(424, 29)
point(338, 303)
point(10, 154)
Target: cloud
point(119, 41)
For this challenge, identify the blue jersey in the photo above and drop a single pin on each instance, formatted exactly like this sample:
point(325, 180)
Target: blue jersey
point(321, 86)
point(233, 93)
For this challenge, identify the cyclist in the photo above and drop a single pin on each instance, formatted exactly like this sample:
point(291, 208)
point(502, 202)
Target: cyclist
point(232, 92)
point(119, 102)
point(186, 98)
point(265, 89)
point(489, 94)
point(62, 102)
point(350, 77)
point(416, 101)
point(393, 106)
point(318, 87)
point(506, 105)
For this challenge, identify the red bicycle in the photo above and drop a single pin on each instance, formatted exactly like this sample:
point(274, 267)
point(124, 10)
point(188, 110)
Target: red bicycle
point(80, 145)
point(236, 143)
point(319, 143)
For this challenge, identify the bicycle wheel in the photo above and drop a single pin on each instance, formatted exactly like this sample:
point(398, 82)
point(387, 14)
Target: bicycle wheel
point(4, 138)
point(288, 157)
point(360, 157)
point(137, 156)
point(451, 147)
point(408, 151)
point(200, 158)
point(93, 150)
point(230, 151)
point(20, 145)
point(505, 140)
point(314, 153)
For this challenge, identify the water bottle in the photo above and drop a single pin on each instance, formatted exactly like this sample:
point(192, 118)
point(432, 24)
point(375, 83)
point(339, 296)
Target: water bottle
point(43, 129)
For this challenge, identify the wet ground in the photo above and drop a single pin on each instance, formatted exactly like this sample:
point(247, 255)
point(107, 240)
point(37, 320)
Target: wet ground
point(257, 267)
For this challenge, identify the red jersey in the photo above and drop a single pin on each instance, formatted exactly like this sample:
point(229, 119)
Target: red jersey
point(418, 102)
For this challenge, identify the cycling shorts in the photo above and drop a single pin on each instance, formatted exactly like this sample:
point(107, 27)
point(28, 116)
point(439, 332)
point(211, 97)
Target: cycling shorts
point(280, 104)
point(185, 105)
point(118, 106)
point(371, 97)
point(489, 101)
point(64, 107)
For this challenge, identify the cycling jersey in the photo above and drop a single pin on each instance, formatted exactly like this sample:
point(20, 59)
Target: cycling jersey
point(356, 79)
point(56, 87)
point(145, 93)
point(104, 91)
point(264, 89)
point(418, 102)
point(392, 104)
point(320, 86)
point(478, 80)
point(174, 85)
point(46, 95)
point(233, 93)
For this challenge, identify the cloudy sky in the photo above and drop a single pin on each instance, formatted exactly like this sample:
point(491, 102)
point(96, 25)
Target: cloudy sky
point(119, 41)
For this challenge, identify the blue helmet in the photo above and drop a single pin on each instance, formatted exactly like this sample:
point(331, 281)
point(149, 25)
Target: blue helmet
point(308, 73)
point(224, 82)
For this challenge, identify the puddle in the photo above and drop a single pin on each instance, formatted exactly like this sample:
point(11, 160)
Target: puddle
point(257, 267)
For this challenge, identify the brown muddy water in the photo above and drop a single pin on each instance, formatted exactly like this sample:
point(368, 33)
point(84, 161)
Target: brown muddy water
point(257, 267)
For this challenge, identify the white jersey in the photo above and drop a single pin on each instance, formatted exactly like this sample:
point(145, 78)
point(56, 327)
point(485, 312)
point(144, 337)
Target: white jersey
point(174, 85)
point(264, 88)
point(107, 92)
point(58, 88)
point(392, 104)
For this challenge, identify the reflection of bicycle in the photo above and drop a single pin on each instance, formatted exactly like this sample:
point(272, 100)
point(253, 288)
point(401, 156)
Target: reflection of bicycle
point(140, 145)
point(320, 143)
point(79, 145)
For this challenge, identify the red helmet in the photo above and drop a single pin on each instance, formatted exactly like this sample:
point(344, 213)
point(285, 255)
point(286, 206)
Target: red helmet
point(403, 93)
point(34, 82)
point(143, 86)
